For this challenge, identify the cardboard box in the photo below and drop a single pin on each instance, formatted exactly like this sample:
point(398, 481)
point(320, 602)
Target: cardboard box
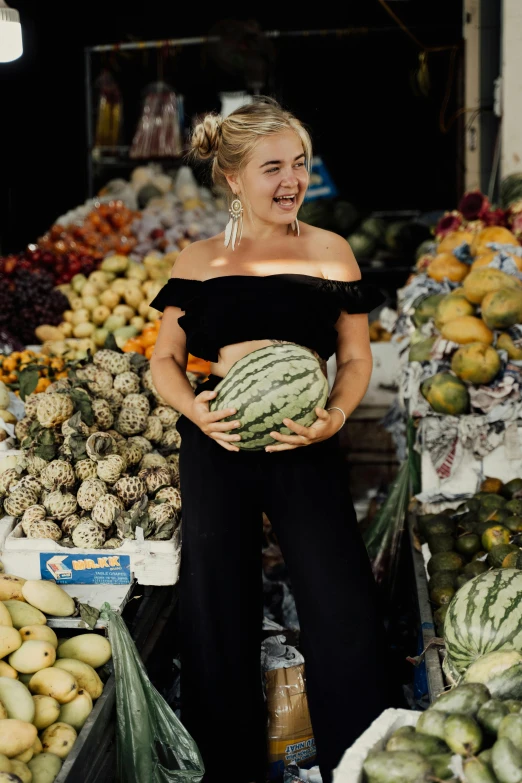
point(290, 735)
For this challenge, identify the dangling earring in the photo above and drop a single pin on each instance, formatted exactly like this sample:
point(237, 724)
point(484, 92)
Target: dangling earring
point(235, 224)
point(295, 227)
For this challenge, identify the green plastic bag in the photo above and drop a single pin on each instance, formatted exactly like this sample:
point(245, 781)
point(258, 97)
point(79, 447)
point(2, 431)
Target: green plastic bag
point(152, 745)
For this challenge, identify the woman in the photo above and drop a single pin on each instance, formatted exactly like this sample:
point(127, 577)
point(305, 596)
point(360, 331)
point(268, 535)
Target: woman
point(280, 281)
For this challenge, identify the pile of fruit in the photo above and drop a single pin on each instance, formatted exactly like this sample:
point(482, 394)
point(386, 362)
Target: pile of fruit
point(62, 268)
point(47, 687)
point(107, 228)
point(484, 532)
point(472, 733)
point(112, 300)
point(100, 457)
point(30, 371)
point(28, 299)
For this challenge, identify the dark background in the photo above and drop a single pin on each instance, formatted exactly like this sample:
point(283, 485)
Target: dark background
point(380, 141)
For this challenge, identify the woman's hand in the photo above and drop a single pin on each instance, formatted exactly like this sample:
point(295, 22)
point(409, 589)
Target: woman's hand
point(327, 424)
point(210, 422)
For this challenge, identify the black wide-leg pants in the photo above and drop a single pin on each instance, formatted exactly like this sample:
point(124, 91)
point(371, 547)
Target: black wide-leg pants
point(304, 494)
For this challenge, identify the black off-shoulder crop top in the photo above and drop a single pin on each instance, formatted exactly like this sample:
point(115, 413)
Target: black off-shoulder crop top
point(232, 309)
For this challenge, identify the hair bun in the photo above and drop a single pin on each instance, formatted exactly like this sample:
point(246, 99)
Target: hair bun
point(205, 138)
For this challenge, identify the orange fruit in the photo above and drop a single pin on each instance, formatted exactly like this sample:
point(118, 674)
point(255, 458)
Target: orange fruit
point(133, 345)
point(42, 384)
point(10, 364)
point(149, 351)
point(149, 338)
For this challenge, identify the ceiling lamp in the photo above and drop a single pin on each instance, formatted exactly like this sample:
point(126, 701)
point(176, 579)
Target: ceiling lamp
point(11, 46)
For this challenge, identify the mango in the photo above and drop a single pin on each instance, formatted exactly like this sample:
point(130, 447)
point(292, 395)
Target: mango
point(46, 711)
point(21, 770)
point(59, 739)
point(3, 712)
point(5, 617)
point(446, 394)
point(10, 640)
point(37, 747)
point(446, 266)
point(84, 675)
point(486, 280)
point(491, 714)
point(397, 767)
point(463, 735)
point(477, 770)
point(9, 777)
point(45, 767)
point(77, 711)
point(33, 656)
point(8, 671)
point(23, 614)
point(91, 648)
point(476, 363)
point(57, 683)
point(11, 587)
point(467, 699)
point(431, 722)
point(49, 598)
point(39, 633)
point(16, 736)
point(452, 307)
point(467, 329)
point(499, 234)
point(507, 761)
point(5, 764)
point(16, 699)
point(26, 756)
point(505, 343)
point(454, 239)
point(502, 309)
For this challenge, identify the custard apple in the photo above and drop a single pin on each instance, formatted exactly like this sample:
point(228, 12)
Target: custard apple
point(174, 474)
point(75, 426)
point(20, 500)
point(171, 439)
point(154, 430)
point(113, 398)
point(8, 477)
point(127, 383)
point(113, 543)
point(111, 468)
point(60, 504)
point(160, 513)
point(88, 535)
point(171, 495)
point(33, 514)
point(31, 405)
point(130, 453)
point(98, 380)
point(69, 523)
point(148, 383)
point(35, 464)
point(85, 469)
point(112, 361)
point(130, 421)
point(155, 478)
point(99, 445)
point(54, 409)
point(22, 428)
point(62, 384)
point(44, 529)
point(142, 443)
point(173, 459)
point(152, 460)
point(28, 482)
point(167, 415)
point(106, 510)
point(102, 414)
point(130, 489)
point(58, 473)
point(90, 491)
point(117, 436)
point(138, 401)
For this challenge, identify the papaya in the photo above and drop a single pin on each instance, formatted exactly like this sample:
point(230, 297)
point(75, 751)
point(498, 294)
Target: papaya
point(505, 343)
point(467, 329)
point(502, 309)
point(454, 239)
point(446, 266)
point(452, 307)
point(476, 363)
point(499, 234)
point(421, 351)
point(446, 394)
point(427, 309)
point(484, 281)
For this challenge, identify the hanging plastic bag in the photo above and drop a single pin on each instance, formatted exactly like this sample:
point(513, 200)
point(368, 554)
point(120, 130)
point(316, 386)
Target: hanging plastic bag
point(109, 122)
point(159, 131)
point(152, 745)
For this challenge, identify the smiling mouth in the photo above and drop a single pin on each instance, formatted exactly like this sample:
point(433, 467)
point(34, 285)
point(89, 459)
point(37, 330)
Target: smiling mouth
point(286, 201)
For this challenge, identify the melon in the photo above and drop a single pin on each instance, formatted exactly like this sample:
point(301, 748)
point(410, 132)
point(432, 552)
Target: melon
point(269, 385)
point(484, 616)
point(498, 234)
point(467, 329)
point(453, 240)
point(446, 394)
point(483, 281)
point(476, 363)
point(502, 309)
point(446, 266)
point(452, 307)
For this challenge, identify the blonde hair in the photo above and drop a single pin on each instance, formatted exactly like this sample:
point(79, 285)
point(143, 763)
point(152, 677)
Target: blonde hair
point(229, 142)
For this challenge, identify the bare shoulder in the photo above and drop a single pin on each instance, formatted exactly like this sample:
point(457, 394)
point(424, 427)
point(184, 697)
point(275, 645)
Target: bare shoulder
point(337, 260)
point(194, 260)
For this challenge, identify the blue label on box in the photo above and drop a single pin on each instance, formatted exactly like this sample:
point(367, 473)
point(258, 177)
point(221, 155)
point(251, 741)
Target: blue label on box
point(85, 569)
point(321, 183)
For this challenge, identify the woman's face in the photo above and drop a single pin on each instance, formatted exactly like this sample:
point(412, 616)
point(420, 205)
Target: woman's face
point(275, 179)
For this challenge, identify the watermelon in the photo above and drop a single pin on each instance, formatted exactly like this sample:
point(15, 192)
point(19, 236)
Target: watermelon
point(268, 385)
point(511, 189)
point(485, 615)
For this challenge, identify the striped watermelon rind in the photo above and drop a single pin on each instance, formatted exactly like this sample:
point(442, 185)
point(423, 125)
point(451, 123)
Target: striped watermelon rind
point(484, 615)
point(282, 381)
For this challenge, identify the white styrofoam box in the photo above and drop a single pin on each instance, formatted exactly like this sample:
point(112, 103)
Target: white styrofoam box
point(152, 562)
point(500, 463)
point(382, 390)
point(350, 769)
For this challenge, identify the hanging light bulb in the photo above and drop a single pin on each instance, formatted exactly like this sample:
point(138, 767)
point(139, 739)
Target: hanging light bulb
point(11, 46)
